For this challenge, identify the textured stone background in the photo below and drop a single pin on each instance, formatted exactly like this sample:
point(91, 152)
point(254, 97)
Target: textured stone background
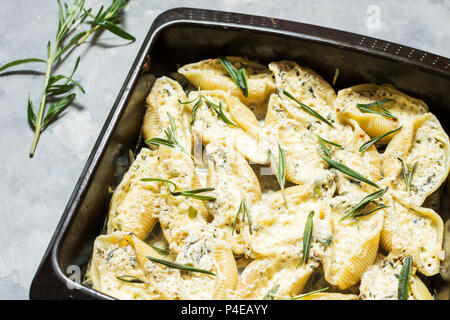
point(34, 192)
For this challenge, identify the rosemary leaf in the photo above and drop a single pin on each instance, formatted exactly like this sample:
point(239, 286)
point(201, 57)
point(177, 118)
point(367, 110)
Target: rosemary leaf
point(348, 171)
point(130, 279)
point(245, 213)
point(30, 113)
point(161, 252)
point(308, 109)
point(309, 294)
point(368, 144)
point(20, 61)
point(168, 182)
point(280, 169)
point(364, 202)
point(307, 237)
point(180, 266)
point(407, 174)
point(324, 147)
point(404, 278)
point(380, 103)
point(238, 76)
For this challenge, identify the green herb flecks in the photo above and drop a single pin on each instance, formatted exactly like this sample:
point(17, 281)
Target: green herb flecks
point(348, 171)
point(180, 266)
point(408, 174)
point(238, 76)
point(130, 279)
point(58, 86)
point(404, 278)
point(194, 193)
point(280, 169)
point(355, 212)
point(245, 213)
point(323, 144)
point(307, 237)
point(308, 109)
point(379, 103)
point(192, 213)
point(368, 144)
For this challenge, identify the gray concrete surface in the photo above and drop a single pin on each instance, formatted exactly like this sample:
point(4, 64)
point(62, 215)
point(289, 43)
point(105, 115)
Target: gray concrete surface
point(34, 192)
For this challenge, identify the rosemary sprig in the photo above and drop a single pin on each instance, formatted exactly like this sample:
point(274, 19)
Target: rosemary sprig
point(218, 109)
point(171, 139)
point(404, 278)
point(366, 145)
point(380, 103)
point(308, 109)
point(180, 266)
point(408, 174)
point(193, 193)
point(107, 19)
point(348, 171)
point(281, 169)
point(245, 213)
point(364, 202)
point(307, 237)
point(238, 76)
point(270, 294)
point(323, 142)
point(161, 252)
point(130, 279)
point(69, 17)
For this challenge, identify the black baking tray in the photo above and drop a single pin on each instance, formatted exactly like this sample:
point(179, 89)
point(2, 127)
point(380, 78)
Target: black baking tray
point(185, 35)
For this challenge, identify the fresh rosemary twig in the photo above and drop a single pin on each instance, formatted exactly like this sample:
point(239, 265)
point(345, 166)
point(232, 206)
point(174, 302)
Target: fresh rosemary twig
point(348, 171)
point(408, 174)
point(180, 266)
point(216, 107)
point(364, 202)
point(307, 237)
point(69, 17)
point(380, 103)
point(194, 193)
point(238, 76)
point(281, 169)
point(308, 109)
point(404, 278)
point(107, 19)
point(366, 145)
point(245, 213)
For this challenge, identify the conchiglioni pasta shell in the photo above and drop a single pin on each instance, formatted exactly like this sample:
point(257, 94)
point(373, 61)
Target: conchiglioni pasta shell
point(399, 234)
point(226, 273)
point(134, 204)
point(164, 98)
point(211, 75)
